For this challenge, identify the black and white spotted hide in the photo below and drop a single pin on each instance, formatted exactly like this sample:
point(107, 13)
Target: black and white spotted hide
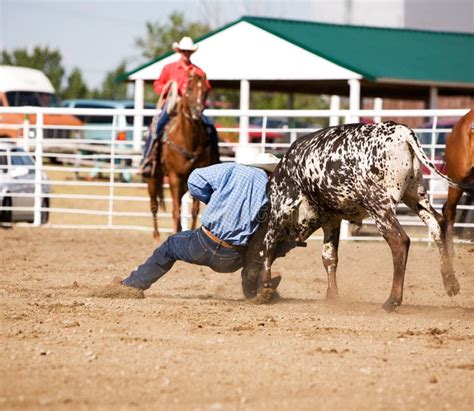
point(348, 172)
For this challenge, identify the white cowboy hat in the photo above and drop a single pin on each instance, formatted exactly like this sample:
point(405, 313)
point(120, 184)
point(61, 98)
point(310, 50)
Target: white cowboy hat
point(185, 44)
point(265, 161)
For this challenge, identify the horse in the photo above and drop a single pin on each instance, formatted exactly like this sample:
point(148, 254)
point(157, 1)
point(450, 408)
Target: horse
point(459, 162)
point(185, 146)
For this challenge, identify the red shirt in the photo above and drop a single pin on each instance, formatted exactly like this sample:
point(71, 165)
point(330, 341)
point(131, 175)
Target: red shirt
point(179, 72)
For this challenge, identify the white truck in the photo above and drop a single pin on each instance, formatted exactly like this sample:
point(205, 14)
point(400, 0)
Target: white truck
point(22, 86)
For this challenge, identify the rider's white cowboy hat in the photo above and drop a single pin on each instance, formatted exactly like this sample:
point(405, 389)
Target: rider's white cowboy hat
point(185, 44)
point(265, 161)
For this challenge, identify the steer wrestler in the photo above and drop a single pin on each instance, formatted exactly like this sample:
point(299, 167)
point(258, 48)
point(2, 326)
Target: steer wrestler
point(235, 195)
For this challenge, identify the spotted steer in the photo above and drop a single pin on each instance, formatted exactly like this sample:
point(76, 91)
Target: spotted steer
point(340, 173)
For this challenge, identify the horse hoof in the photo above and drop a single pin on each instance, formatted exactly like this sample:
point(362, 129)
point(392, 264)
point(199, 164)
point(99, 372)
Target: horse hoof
point(332, 294)
point(452, 286)
point(391, 304)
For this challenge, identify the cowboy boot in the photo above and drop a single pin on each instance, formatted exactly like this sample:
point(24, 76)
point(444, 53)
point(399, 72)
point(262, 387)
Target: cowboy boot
point(147, 165)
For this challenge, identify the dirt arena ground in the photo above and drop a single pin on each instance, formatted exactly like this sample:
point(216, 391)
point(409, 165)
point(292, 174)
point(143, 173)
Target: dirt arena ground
point(194, 343)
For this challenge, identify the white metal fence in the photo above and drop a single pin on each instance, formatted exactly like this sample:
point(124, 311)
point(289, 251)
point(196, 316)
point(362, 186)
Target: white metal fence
point(93, 183)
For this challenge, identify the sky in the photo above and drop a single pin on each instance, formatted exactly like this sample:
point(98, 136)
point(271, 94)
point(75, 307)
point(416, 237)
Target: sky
point(97, 35)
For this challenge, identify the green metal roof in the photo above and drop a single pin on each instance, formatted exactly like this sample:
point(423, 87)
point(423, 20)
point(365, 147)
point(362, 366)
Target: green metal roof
point(375, 53)
point(380, 52)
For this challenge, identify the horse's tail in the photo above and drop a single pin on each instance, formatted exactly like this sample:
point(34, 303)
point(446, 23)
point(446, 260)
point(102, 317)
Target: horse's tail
point(415, 145)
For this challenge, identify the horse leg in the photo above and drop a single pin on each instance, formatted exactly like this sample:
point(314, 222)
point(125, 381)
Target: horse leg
point(194, 213)
point(449, 212)
point(152, 193)
point(175, 188)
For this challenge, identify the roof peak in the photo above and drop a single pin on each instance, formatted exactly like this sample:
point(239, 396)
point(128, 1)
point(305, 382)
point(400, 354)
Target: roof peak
point(398, 29)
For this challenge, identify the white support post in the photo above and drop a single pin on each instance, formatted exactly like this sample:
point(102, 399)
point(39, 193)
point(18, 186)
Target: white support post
point(264, 134)
point(38, 169)
point(244, 105)
point(354, 99)
point(138, 119)
point(335, 104)
point(110, 220)
point(378, 106)
point(433, 98)
point(244, 151)
point(354, 104)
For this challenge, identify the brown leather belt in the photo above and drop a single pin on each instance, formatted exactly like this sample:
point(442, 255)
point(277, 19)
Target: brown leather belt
point(217, 239)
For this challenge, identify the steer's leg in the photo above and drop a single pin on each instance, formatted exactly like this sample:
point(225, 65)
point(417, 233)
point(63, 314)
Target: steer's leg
point(417, 199)
point(269, 245)
point(399, 243)
point(254, 259)
point(330, 247)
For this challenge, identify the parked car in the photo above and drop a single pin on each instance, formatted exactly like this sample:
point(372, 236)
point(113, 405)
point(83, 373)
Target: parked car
point(273, 133)
point(17, 176)
point(271, 136)
point(22, 86)
point(99, 127)
point(286, 126)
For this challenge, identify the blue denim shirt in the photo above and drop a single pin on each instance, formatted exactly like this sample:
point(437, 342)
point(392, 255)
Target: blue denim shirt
point(234, 194)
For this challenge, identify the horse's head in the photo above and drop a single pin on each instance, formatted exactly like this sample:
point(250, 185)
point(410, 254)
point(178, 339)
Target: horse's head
point(195, 95)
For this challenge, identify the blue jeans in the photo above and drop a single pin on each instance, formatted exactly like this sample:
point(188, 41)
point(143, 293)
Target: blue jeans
point(192, 246)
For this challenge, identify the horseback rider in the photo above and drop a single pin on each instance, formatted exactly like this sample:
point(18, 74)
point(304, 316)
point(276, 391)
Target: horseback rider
point(179, 72)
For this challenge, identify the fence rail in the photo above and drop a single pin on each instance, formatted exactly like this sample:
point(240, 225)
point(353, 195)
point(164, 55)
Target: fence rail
point(76, 179)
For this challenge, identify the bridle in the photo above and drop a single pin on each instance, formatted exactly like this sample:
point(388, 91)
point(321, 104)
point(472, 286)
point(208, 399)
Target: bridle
point(192, 114)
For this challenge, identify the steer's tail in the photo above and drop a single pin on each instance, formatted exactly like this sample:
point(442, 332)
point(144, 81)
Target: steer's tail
point(414, 143)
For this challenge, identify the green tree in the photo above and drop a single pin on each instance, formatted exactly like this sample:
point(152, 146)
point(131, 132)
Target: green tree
point(41, 58)
point(159, 38)
point(75, 86)
point(112, 89)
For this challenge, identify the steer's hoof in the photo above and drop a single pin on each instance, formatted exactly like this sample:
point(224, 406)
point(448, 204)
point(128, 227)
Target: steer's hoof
point(265, 296)
point(249, 290)
point(451, 285)
point(275, 281)
point(391, 304)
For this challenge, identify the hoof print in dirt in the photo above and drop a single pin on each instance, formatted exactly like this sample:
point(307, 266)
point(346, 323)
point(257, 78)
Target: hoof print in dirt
point(117, 291)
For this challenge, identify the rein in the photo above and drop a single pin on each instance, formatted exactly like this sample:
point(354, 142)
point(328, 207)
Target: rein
point(193, 156)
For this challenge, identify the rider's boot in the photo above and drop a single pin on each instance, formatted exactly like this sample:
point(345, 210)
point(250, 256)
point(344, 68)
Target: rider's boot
point(146, 166)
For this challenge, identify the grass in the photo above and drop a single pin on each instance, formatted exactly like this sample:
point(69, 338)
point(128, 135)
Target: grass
point(86, 187)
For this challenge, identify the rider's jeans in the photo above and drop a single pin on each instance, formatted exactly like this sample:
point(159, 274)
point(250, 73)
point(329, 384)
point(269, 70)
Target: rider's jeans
point(192, 246)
